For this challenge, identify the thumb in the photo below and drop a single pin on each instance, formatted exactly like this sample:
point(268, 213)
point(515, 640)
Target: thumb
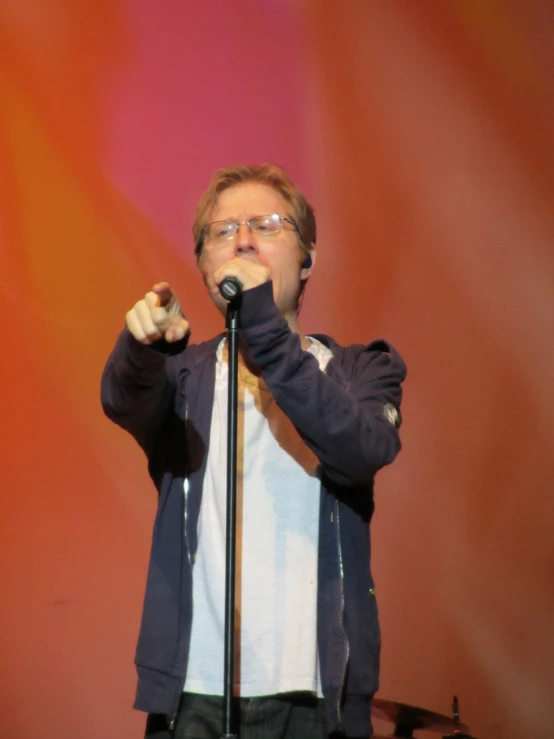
point(178, 330)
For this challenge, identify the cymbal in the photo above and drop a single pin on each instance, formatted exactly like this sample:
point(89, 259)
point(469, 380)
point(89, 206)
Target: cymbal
point(410, 718)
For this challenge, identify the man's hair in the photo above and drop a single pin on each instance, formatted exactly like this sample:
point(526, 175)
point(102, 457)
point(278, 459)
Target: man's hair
point(266, 174)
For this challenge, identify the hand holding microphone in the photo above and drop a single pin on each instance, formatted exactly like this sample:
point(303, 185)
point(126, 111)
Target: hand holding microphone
point(241, 273)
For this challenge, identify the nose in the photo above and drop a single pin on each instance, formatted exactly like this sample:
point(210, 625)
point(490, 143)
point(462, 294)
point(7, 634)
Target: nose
point(244, 241)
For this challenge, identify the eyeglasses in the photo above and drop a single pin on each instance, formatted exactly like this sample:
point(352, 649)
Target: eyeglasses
point(261, 226)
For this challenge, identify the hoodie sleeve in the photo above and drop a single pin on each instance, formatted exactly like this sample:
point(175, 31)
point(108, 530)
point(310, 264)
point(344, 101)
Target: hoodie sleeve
point(138, 385)
point(351, 426)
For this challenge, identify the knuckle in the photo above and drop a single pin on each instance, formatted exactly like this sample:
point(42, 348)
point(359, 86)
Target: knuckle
point(159, 317)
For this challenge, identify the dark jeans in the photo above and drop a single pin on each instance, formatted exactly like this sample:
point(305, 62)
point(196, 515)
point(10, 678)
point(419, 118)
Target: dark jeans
point(288, 716)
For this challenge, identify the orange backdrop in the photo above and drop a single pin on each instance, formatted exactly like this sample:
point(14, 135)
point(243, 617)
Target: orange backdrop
point(422, 132)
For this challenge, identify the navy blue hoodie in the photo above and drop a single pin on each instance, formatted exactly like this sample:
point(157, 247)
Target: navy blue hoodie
point(348, 416)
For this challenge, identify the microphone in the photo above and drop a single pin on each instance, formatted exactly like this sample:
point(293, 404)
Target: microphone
point(230, 288)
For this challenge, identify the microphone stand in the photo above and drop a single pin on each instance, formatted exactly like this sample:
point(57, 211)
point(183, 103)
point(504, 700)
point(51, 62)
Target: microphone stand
point(233, 332)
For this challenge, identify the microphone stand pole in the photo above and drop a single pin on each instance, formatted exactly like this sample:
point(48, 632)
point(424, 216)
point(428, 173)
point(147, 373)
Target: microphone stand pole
point(233, 332)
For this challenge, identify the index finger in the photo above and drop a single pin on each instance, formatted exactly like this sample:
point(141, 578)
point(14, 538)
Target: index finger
point(164, 293)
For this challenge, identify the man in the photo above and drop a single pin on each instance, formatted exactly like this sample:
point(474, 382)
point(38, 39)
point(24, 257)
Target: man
point(316, 422)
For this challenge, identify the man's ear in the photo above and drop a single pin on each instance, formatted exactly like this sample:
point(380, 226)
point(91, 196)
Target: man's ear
point(308, 263)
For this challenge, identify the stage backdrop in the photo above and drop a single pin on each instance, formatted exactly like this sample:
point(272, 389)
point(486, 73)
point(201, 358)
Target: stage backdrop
point(422, 133)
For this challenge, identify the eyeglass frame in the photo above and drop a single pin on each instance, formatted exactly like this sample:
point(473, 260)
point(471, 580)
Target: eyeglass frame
point(238, 224)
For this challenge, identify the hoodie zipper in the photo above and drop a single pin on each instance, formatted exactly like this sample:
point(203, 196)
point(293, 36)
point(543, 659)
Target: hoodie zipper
point(171, 725)
point(187, 548)
point(186, 486)
point(341, 570)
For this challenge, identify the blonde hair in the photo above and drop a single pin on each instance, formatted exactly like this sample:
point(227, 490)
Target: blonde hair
point(266, 174)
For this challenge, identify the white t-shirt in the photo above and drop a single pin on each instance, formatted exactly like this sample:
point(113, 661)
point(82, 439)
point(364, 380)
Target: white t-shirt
point(278, 492)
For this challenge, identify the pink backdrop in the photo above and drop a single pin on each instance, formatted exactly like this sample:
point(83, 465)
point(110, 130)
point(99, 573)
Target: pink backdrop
point(422, 132)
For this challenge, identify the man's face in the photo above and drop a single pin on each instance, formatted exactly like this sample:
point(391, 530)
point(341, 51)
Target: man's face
point(280, 253)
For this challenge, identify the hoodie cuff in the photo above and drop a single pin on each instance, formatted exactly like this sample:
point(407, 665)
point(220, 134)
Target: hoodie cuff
point(150, 353)
point(258, 306)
